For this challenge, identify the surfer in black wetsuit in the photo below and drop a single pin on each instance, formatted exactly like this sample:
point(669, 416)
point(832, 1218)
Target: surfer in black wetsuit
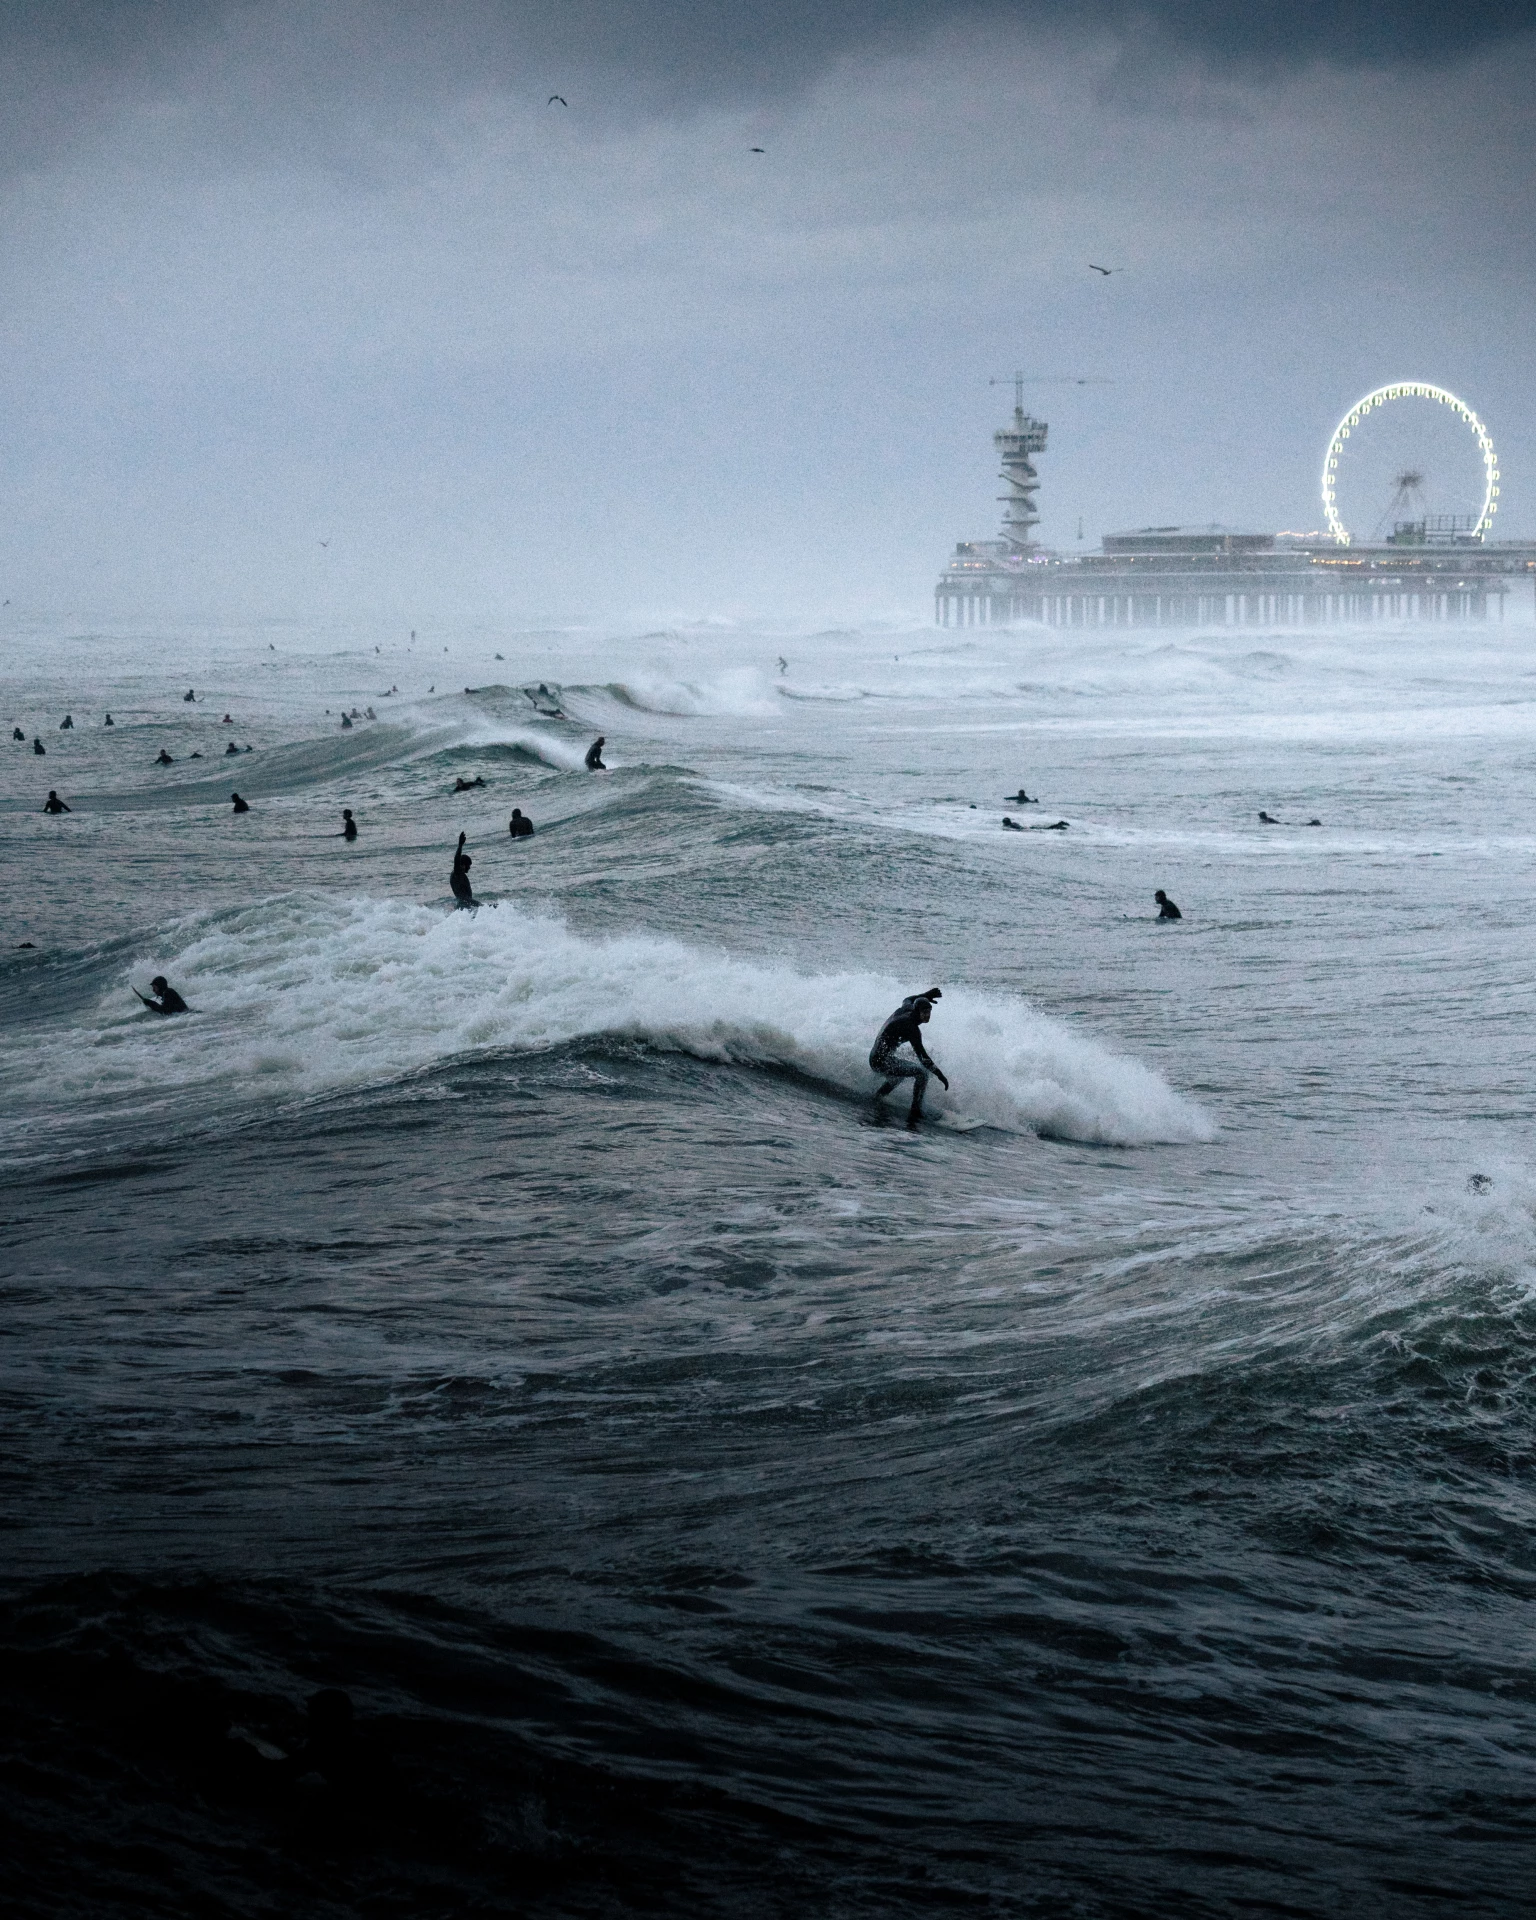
point(459, 878)
point(1012, 825)
point(17, 734)
point(166, 998)
point(595, 756)
point(189, 696)
point(348, 825)
point(905, 1027)
point(345, 721)
point(108, 721)
point(66, 725)
point(241, 806)
point(163, 759)
point(1266, 820)
point(37, 745)
point(1166, 910)
point(461, 785)
point(519, 826)
point(53, 804)
point(1019, 799)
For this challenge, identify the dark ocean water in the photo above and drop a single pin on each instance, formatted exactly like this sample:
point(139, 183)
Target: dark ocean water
point(712, 1497)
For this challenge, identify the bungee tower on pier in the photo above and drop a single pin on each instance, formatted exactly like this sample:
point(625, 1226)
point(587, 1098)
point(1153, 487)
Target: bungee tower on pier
point(1211, 576)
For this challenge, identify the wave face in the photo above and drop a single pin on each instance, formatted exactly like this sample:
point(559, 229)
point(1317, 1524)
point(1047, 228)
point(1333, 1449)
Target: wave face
point(714, 1496)
point(297, 996)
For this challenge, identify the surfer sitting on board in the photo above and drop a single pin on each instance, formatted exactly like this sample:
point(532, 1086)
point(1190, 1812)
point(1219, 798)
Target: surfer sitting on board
point(595, 755)
point(459, 878)
point(166, 998)
point(905, 1027)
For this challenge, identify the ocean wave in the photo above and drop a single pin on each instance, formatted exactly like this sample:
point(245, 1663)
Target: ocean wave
point(299, 995)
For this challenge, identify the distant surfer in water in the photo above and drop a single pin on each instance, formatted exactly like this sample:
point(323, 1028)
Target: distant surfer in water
point(166, 998)
point(53, 804)
point(231, 748)
point(348, 825)
point(163, 759)
point(461, 785)
point(1166, 910)
point(595, 756)
point(37, 745)
point(67, 723)
point(1012, 825)
point(905, 1027)
point(459, 878)
point(1268, 820)
point(241, 806)
point(345, 721)
point(17, 734)
point(1019, 799)
point(519, 826)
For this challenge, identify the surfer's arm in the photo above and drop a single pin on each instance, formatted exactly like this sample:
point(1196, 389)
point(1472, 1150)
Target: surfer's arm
point(929, 1062)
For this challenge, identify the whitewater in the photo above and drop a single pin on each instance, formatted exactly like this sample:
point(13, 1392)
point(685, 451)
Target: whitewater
point(1112, 1498)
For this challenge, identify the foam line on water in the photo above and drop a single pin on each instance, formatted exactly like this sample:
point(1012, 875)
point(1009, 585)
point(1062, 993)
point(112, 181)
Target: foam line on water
point(300, 994)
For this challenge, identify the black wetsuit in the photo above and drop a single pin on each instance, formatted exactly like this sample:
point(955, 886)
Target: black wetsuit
point(17, 734)
point(167, 1001)
point(231, 748)
point(1166, 910)
point(37, 745)
point(53, 804)
point(463, 892)
point(519, 826)
point(595, 757)
point(349, 827)
point(163, 759)
point(903, 1029)
point(240, 806)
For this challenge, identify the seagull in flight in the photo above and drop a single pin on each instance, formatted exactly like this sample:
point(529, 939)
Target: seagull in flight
point(1106, 271)
point(557, 96)
point(325, 543)
point(757, 149)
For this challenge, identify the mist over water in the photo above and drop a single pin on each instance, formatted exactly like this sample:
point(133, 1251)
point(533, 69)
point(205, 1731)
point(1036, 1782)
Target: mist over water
point(1112, 1498)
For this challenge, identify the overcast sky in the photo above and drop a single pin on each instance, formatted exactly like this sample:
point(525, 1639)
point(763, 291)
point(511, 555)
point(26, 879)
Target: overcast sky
point(278, 274)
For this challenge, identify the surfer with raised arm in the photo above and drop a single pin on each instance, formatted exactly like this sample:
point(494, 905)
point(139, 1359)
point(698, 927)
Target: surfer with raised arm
point(463, 892)
point(905, 1028)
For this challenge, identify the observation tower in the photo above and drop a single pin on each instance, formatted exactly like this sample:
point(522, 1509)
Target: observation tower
point(1015, 446)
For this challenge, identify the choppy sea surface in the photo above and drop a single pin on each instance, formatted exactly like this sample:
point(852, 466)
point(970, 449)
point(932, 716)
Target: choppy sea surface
point(1112, 1498)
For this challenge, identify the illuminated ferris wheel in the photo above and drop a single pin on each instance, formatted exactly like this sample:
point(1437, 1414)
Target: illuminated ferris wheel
point(1467, 528)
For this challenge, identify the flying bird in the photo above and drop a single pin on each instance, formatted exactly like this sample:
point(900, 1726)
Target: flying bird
point(757, 149)
point(557, 96)
point(1106, 271)
point(325, 543)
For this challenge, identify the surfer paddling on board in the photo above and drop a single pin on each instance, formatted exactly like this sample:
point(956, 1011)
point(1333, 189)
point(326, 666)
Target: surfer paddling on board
point(166, 998)
point(905, 1027)
point(463, 893)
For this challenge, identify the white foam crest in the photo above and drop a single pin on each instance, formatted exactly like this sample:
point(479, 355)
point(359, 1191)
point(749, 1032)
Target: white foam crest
point(739, 690)
point(565, 756)
point(300, 995)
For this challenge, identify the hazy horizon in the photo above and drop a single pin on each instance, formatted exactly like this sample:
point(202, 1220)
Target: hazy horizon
point(326, 311)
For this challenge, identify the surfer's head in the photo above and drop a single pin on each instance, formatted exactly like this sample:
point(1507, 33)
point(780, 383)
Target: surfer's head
point(159, 983)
